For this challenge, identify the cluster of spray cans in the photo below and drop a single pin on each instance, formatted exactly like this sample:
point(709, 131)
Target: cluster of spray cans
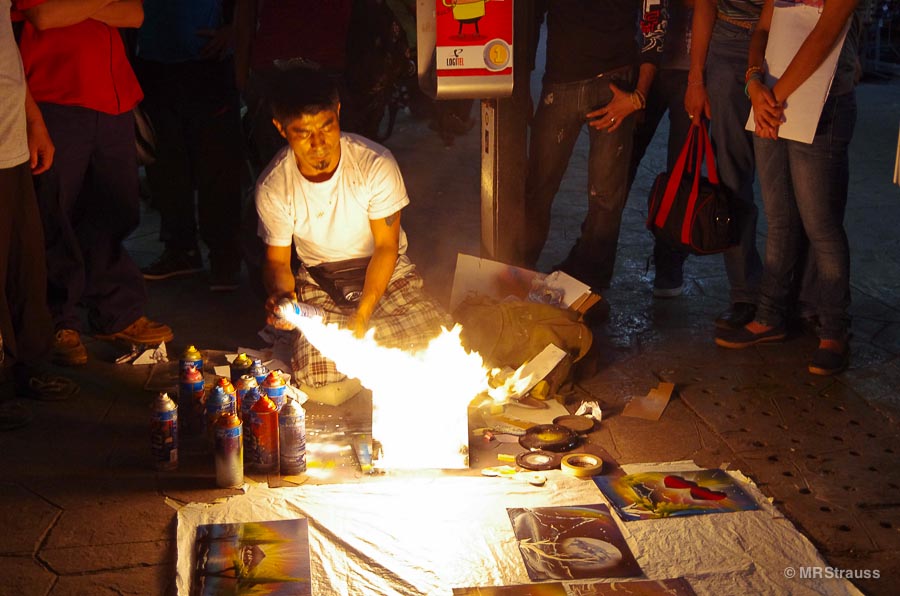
point(247, 420)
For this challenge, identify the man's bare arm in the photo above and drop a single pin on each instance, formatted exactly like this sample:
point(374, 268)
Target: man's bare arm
point(277, 276)
point(62, 13)
point(696, 101)
point(386, 233)
point(128, 14)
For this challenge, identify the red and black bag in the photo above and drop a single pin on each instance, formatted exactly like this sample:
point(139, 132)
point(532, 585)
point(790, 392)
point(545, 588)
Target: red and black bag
point(688, 211)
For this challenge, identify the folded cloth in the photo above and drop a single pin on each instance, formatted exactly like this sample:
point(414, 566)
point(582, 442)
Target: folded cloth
point(13, 415)
point(46, 387)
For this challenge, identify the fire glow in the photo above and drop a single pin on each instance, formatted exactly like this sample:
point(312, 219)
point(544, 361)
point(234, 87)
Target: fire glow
point(420, 399)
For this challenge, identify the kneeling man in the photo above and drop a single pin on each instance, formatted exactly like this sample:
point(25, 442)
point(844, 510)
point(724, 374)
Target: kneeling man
point(336, 197)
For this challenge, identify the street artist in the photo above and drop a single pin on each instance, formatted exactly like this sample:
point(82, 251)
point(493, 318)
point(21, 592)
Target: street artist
point(337, 197)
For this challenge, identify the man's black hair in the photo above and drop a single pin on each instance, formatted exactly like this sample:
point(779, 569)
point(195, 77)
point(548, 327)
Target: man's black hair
point(300, 91)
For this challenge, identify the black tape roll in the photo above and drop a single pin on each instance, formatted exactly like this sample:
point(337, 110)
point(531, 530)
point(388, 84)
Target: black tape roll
point(549, 437)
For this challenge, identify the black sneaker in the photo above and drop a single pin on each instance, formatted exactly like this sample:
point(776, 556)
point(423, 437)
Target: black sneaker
point(172, 263)
point(828, 362)
point(743, 337)
point(738, 315)
point(668, 278)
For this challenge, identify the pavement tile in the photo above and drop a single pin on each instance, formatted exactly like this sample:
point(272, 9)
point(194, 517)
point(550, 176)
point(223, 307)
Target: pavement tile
point(23, 576)
point(136, 581)
point(25, 519)
point(76, 560)
point(146, 516)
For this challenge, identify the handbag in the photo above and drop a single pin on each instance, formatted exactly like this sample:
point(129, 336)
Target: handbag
point(343, 281)
point(688, 211)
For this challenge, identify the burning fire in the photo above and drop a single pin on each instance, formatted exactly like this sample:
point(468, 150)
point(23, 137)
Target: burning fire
point(420, 399)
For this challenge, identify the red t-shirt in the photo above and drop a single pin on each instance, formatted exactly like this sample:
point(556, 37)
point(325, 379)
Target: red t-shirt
point(79, 65)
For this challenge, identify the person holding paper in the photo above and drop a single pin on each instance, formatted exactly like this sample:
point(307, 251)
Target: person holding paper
point(804, 186)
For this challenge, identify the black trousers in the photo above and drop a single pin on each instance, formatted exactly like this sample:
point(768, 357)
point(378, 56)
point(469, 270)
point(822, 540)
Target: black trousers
point(89, 205)
point(25, 322)
point(195, 112)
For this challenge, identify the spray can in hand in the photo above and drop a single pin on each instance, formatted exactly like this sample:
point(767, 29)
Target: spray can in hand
point(292, 438)
point(229, 451)
point(289, 310)
point(264, 426)
point(164, 432)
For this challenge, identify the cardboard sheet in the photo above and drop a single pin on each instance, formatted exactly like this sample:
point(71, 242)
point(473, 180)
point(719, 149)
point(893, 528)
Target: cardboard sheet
point(418, 534)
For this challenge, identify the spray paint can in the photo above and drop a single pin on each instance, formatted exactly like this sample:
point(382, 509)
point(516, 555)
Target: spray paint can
point(218, 402)
point(243, 385)
point(249, 398)
point(275, 388)
point(289, 309)
point(192, 395)
point(240, 366)
point(292, 438)
point(229, 451)
point(250, 448)
point(264, 426)
point(164, 432)
point(259, 371)
point(190, 357)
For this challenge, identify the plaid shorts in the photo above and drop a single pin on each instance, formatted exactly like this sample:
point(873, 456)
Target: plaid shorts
point(406, 318)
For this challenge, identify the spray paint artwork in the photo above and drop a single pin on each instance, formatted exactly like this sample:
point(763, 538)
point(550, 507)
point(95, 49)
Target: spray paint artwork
point(564, 543)
point(259, 558)
point(652, 495)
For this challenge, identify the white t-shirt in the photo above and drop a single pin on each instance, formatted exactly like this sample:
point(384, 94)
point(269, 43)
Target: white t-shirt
point(329, 221)
point(13, 140)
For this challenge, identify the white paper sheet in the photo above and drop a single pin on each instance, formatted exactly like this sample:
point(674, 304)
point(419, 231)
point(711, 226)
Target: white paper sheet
point(791, 25)
point(418, 534)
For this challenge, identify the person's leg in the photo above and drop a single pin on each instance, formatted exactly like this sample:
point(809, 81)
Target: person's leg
point(555, 129)
point(58, 191)
point(669, 263)
point(167, 95)
point(217, 158)
point(726, 62)
point(821, 179)
point(646, 125)
point(783, 248)
point(593, 257)
point(115, 291)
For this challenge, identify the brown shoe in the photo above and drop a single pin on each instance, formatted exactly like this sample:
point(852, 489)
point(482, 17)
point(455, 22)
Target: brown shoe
point(68, 349)
point(142, 331)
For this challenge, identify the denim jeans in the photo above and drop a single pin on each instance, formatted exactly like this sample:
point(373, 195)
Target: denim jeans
point(726, 62)
point(804, 189)
point(666, 95)
point(558, 121)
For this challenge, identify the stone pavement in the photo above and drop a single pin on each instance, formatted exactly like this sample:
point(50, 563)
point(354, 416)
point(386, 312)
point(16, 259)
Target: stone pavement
point(83, 513)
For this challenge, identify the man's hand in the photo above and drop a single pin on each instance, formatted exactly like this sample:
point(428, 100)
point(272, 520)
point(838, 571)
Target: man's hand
point(696, 101)
point(272, 317)
point(610, 116)
point(221, 41)
point(359, 324)
point(40, 146)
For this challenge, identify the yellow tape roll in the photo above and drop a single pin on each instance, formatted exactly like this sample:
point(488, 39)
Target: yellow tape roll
point(581, 465)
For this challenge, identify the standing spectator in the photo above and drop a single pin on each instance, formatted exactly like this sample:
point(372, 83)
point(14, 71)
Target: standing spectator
point(26, 329)
point(593, 59)
point(667, 95)
point(78, 72)
point(186, 69)
point(804, 186)
point(720, 40)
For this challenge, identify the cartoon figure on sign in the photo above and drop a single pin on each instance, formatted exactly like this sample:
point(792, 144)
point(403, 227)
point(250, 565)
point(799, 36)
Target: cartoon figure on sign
point(467, 12)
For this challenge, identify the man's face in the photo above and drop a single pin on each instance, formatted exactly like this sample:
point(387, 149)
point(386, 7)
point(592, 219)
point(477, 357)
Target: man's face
point(316, 142)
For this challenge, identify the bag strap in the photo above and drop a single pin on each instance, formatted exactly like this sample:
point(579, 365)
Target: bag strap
point(711, 172)
point(674, 181)
point(704, 151)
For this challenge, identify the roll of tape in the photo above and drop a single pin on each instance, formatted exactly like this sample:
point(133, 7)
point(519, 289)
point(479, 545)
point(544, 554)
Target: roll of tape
point(581, 465)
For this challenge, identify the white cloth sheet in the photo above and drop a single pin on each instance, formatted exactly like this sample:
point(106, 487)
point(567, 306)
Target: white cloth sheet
point(426, 533)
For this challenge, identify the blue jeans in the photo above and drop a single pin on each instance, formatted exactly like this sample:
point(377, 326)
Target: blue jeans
point(557, 123)
point(804, 189)
point(726, 62)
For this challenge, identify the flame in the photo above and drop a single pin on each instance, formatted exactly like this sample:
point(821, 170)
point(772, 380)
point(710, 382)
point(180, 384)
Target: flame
point(420, 399)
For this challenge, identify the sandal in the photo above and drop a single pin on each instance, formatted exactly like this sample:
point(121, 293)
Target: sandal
point(48, 388)
point(13, 415)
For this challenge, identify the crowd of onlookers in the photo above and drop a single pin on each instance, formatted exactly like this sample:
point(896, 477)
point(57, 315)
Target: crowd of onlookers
point(198, 72)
